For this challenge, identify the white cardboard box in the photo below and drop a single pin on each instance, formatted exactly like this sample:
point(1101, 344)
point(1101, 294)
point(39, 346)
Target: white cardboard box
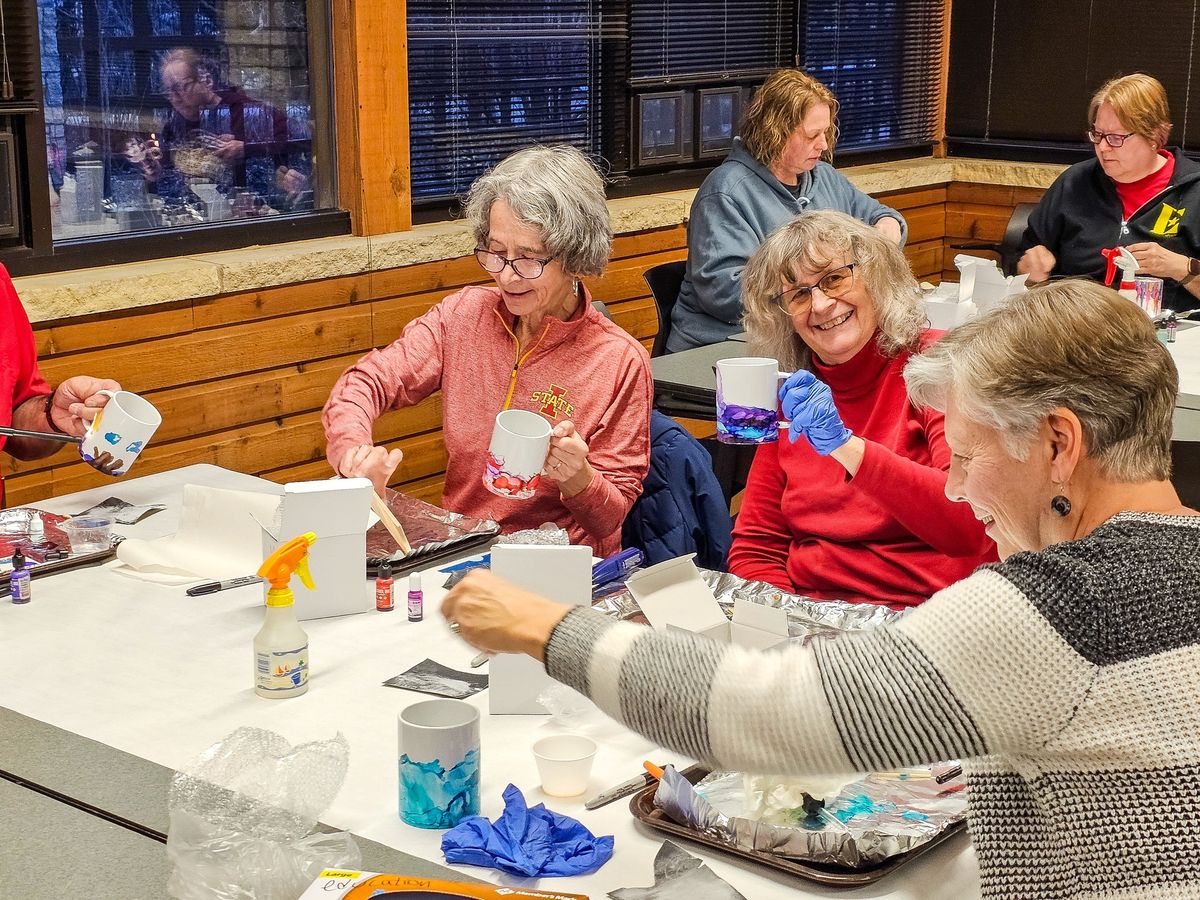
point(673, 595)
point(338, 511)
point(560, 573)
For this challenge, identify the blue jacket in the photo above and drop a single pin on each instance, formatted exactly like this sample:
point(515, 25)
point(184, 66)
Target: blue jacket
point(682, 509)
point(739, 204)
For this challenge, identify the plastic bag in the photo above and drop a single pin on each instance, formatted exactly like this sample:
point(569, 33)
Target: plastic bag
point(241, 818)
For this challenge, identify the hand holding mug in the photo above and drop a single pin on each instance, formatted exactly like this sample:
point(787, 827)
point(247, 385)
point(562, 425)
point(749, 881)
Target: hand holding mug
point(808, 403)
point(76, 402)
point(567, 462)
point(367, 461)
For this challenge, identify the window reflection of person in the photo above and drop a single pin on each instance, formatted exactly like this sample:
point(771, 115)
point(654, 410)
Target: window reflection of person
point(206, 136)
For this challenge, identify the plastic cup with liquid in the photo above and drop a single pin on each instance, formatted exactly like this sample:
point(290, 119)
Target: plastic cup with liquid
point(88, 534)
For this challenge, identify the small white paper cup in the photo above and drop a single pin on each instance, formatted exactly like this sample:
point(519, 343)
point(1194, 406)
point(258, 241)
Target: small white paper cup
point(564, 763)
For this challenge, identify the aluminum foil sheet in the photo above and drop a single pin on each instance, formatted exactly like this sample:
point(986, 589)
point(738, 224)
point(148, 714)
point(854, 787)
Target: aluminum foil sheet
point(807, 618)
point(872, 819)
point(430, 529)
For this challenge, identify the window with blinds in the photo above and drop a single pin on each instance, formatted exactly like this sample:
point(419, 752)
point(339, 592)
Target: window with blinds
point(653, 85)
point(488, 79)
point(881, 59)
point(1022, 71)
point(684, 40)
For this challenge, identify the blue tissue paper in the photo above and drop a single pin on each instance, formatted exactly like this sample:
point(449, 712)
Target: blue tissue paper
point(528, 842)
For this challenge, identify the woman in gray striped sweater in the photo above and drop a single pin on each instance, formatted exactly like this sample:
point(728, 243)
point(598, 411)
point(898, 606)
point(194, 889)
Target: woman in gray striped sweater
point(1065, 676)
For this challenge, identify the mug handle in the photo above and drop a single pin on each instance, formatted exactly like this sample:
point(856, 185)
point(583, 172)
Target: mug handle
point(781, 377)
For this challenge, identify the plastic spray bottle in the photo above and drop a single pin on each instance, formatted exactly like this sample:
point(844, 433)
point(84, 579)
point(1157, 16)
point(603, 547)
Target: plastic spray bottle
point(1121, 258)
point(281, 645)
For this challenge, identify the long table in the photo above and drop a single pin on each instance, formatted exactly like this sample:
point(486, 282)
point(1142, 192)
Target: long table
point(688, 375)
point(141, 673)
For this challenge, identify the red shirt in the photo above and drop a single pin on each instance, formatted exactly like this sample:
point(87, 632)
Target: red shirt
point(19, 376)
point(887, 535)
point(1135, 194)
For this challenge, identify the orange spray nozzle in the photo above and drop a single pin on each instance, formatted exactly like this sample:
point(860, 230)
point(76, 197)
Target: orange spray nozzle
point(289, 557)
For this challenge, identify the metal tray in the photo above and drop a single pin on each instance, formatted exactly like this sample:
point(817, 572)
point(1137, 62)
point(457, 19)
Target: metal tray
point(643, 808)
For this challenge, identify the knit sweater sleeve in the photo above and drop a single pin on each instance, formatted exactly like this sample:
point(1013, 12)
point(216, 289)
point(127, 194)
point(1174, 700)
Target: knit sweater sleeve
point(762, 538)
point(915, 494)
point(618, 450)
point(402, 374)
point(975, 670)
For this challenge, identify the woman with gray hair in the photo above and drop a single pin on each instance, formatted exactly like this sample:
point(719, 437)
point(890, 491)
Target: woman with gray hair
point(853, 506)
point(1063, 677)
point(534, 342)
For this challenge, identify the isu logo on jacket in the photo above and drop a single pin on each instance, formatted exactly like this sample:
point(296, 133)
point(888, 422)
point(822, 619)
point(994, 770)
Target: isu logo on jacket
point(554, 402)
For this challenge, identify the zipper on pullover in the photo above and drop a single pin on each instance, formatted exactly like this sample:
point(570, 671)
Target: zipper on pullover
point(520, 358)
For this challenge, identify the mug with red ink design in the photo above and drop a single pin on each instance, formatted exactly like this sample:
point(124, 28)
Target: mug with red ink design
point(516, 454)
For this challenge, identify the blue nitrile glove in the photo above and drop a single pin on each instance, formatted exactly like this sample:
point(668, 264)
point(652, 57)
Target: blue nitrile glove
point(808, 403)
point(524, 841)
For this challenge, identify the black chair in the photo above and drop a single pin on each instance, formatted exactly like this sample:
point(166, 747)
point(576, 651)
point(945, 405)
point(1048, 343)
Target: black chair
point(1008, 246)
point(664, 282)
point(1185, 471)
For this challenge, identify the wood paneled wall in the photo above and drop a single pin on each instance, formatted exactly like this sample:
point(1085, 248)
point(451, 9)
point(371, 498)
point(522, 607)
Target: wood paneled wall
point(979, 212)
point(240, 379)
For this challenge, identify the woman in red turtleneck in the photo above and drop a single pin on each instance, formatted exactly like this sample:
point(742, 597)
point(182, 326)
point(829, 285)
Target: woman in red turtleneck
point(851, 503)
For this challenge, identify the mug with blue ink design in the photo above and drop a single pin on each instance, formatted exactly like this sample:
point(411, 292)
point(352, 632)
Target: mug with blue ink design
point(439, 763)
point(122, 428)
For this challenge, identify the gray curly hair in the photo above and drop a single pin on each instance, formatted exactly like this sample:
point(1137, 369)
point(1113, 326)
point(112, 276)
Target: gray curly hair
point(1073, 344)
point(812, 241)
point(557, 190)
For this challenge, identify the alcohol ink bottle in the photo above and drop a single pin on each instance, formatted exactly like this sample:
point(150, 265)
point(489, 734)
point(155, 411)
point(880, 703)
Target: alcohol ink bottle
point(19, 580)
point(416, 600)
point(385, 597)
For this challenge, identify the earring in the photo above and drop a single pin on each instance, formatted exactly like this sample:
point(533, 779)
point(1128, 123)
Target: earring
point(1061, 505)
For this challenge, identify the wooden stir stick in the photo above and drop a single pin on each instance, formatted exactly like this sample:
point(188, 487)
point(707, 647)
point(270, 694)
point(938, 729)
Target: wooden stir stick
point(390, 522)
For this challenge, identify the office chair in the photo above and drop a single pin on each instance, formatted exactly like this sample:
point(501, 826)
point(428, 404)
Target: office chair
point(1007, 247)
point(664, 281)
point(1185, 471)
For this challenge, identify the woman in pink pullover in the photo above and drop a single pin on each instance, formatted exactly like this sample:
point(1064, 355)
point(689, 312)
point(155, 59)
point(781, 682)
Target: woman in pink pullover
point(534, 342)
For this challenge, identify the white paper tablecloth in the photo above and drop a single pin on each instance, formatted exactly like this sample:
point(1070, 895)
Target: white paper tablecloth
point(146, 669)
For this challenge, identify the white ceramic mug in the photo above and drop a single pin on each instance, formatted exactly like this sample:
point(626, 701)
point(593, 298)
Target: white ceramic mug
point(439, 763)
point(517, 454)
point(121, 428)
point(748, 400)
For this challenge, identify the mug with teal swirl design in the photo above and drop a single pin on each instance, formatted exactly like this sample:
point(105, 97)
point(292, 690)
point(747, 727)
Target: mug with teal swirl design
point(439, 763)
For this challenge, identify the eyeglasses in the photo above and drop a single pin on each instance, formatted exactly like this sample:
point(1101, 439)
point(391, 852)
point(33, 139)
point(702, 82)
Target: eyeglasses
point(525, 266)
point(179, 88)
point(1109, 137)
point(832, 284)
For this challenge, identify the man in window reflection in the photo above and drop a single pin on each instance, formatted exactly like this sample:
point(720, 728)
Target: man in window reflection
point(219, 134)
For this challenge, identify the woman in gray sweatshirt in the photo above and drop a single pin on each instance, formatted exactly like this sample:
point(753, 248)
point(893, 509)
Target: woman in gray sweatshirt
point(774, 172)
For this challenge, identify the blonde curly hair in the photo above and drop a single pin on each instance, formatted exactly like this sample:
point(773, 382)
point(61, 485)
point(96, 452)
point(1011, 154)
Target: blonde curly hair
point(810, 242)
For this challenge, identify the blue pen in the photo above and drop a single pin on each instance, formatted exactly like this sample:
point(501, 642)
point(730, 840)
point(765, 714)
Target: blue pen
point(617, 566)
